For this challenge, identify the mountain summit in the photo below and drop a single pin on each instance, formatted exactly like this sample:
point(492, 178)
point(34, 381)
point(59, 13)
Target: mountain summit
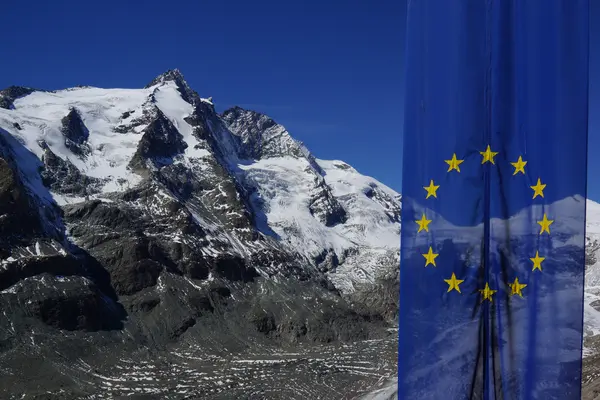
point(136, 220)
point(175, 76)
point(171, 75)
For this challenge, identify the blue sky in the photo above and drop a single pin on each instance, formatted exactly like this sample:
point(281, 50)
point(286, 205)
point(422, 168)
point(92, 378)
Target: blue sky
point(331, 72)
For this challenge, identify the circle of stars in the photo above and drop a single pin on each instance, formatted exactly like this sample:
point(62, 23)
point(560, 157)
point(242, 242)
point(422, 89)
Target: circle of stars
point(488, 156)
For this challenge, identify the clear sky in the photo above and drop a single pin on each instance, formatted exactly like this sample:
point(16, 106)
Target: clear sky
point(330, 71)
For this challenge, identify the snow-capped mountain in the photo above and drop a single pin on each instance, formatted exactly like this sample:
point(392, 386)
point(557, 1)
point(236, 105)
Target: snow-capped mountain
point(145, 216)
point(137, 220)
point(106, 142)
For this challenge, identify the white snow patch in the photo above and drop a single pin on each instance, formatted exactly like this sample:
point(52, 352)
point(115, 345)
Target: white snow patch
point(39, 115)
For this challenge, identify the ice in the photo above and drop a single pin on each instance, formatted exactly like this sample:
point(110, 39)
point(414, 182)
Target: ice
point(39, 115)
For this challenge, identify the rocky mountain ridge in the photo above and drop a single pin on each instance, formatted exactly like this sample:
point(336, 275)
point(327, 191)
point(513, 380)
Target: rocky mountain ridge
point(138, 219)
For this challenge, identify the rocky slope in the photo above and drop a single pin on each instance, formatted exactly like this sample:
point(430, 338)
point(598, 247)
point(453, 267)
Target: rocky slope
point(135, 220)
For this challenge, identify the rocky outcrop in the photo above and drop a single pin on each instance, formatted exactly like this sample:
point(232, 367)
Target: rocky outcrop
point(380, 297)
point(43, 279)
point(261, 136)
point(70, 303)
point(10, 94)
point(61, 176)
point(75, 133)
point(25, 267)
point(324, 206)
point(160, 143)
point(19, 218)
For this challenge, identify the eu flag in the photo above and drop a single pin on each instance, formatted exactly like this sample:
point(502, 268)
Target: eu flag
point(494, 196)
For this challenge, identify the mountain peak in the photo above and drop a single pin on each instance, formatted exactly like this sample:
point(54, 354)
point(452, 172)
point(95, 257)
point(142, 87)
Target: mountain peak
point(174, 75)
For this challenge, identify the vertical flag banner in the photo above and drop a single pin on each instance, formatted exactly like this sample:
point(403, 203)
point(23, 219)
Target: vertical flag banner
point(493, 200)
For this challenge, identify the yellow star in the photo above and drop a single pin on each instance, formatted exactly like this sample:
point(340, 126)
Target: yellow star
point(516, 287)
point(430, 257)
point(487, 293)
point(453, 283)
point(545, 224)
point(453, 163)
point(423, 224)
point(488, 155)
point(538, 190)
point(519, 166)
point(431, 189)
point(537, 261)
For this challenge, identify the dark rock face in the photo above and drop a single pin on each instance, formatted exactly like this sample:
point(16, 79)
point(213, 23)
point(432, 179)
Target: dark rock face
point(73, 127)
point(144, 305)
point(226, 206)
point(39, 280)
point(263, 321)
point(69, 303)
point(61, 176)
point(251, 127)
point(180, 181)
point(324, 205)
point(103, 215)
point(136, 274)
point(234, 268)
point(75, 133)
point(197, 269)
point(19, 218)
point(591, 249)
point(386, 302)
point(333, 322)
point(159, 144)
point(257, 121)
point(22, 268)
point(10, 94)
point(114, 236)
point(261, 136)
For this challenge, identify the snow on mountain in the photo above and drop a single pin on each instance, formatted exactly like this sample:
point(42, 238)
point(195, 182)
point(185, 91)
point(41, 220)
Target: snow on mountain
point(39, 117)
point(346, 223)
point(352, 250)
point(146, 217)
point(236, 183)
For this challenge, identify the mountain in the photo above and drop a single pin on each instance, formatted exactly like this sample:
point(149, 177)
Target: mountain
point(152, 246)
point(141, 227)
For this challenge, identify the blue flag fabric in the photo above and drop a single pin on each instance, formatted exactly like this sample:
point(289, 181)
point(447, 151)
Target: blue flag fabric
point(494, 198)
